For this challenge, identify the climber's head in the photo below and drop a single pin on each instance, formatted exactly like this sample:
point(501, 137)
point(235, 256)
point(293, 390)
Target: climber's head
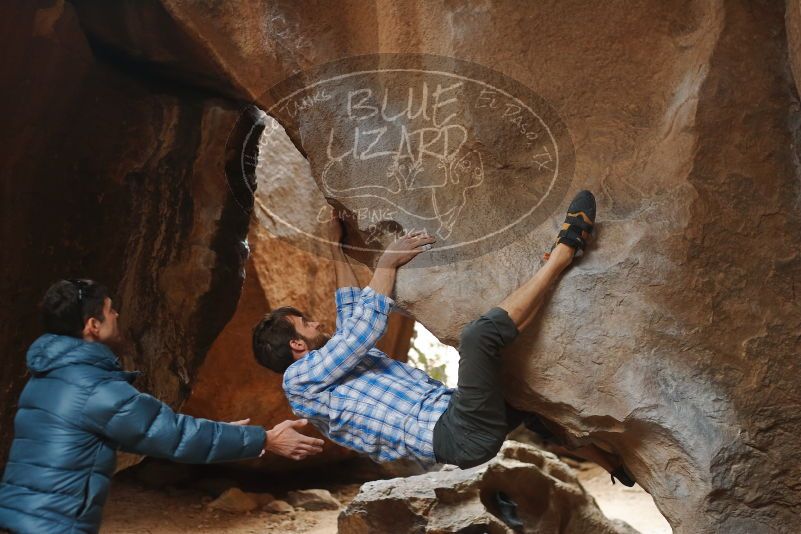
point(284, 336)
point(80, 308)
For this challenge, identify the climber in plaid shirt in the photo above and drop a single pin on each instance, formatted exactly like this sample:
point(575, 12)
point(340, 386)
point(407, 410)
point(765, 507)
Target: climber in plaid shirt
point(359, 397)
point(362, 399)
point(351, 391)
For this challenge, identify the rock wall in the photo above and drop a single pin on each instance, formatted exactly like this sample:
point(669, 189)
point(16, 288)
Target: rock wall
point(118, 177)
point(674, 343)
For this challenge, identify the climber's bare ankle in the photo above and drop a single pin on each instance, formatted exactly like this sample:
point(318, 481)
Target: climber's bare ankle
point(562, 255)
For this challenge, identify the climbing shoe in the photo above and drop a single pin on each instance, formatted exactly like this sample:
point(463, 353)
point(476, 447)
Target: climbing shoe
point(507, 510)
point(579, 224)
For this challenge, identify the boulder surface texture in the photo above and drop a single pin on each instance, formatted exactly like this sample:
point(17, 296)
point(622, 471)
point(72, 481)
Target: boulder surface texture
point(548, 496)
point(117, 177)
point(674, 343)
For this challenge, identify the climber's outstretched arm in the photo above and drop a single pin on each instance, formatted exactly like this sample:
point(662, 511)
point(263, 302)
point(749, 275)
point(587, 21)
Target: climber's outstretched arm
point(396, 255)
point(348, 287)
point(344, 272)
point(345, 275)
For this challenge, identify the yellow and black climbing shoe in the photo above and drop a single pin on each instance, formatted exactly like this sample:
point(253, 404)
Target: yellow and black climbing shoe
point(579, 224)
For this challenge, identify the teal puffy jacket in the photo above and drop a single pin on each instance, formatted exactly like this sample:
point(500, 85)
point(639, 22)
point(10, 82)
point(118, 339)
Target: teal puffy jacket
point(79, 407)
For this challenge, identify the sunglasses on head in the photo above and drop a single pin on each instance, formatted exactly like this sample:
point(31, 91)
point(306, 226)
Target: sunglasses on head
point(80, 285)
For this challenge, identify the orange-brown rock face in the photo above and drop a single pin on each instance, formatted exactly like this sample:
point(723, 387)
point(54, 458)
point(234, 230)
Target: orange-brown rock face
point(120, 179)
point(675, 342)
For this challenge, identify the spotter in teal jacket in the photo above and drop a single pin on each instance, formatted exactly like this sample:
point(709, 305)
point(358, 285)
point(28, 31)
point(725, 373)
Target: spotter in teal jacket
point(79, 407)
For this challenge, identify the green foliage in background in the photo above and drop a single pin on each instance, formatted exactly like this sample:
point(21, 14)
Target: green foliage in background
point(431, 363)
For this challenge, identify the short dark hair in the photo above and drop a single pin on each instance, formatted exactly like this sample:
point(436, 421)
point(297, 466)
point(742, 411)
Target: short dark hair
point(271, 337)
point(68, 304)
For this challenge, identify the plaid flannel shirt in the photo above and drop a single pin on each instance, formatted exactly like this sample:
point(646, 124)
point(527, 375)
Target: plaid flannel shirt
point(358, 396)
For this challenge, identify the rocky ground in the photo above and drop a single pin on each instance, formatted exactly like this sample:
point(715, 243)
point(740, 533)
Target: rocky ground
point(138, 508)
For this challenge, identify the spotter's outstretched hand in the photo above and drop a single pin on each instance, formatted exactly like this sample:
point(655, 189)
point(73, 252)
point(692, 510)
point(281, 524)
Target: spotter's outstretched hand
point(285, 440)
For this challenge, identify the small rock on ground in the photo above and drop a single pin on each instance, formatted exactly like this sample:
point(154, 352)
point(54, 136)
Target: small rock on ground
point(313, 499)
point(279, 507)
point(234, 500)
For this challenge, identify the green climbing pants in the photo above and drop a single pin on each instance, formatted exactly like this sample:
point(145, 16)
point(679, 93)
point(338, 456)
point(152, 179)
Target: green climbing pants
point(477, 420)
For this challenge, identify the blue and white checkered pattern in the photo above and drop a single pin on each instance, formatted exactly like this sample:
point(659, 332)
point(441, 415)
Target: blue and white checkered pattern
point(358, 396)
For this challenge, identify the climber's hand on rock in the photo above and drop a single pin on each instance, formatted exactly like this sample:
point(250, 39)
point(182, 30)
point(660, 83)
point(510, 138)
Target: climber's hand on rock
point(285, 440)
point(405, 248)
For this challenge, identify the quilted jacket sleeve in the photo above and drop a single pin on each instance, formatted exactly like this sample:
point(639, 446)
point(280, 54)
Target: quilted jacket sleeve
point(142, 424)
